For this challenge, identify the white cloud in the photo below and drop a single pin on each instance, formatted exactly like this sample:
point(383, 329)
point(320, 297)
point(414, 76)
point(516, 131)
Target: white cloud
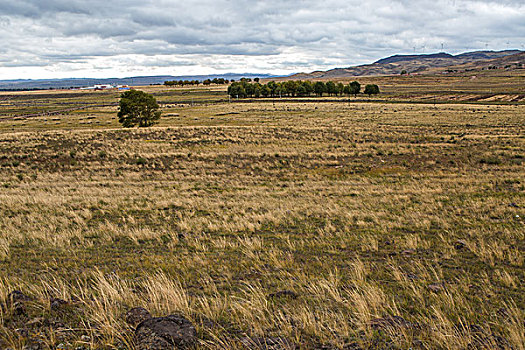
point(74, 38)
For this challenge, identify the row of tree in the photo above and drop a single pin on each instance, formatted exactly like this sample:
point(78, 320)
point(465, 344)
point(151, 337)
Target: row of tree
point(217, 81)
point(297, 88)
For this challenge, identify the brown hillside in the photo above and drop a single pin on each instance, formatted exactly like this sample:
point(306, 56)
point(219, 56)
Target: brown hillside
point(420, 64)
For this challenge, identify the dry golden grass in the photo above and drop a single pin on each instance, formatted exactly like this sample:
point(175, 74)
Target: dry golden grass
point(362, 211)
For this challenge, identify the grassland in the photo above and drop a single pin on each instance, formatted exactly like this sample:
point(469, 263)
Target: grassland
point(328, 224)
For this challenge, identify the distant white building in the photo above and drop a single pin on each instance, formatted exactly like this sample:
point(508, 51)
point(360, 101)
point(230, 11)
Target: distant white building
point(103, 86)
point(106, 87)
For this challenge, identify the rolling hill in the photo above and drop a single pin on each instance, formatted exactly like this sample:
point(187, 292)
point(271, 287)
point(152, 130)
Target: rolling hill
point(431, 63)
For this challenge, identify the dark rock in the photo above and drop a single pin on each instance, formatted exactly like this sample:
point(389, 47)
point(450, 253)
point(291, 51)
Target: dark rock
point(513, 205)
point(16, 300)
point(267, 343)
point(161, 333)
point(137, 315)
point(17, 296)
point(19, 309)
point(460, 244)
point(284, 294)
point(391, 322)
point(56, 303)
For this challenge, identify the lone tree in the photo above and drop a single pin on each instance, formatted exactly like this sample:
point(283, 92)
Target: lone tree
point(138, 108)
point(371, 89)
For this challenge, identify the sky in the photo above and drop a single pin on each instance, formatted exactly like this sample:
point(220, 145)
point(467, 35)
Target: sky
point(42, 39)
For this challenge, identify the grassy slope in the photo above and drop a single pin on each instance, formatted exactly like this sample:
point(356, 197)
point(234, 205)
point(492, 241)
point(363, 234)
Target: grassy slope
point(363, 210)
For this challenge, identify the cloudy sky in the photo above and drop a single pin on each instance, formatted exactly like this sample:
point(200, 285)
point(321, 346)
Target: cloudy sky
point(118, 38)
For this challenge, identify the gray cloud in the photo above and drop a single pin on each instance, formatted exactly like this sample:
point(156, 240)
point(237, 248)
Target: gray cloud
point(78, 36)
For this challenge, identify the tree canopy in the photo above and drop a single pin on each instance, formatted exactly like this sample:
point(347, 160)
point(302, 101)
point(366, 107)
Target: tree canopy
point(291, 88)
point(371, 89)
point(217, 81)
point(138, 108)
point(355, 88)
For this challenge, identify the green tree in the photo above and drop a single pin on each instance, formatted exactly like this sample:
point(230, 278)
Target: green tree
point(371, 89)
point(272, 85)
point(340, 89)
point(291, 87)
point(265, 91)
point(308, 86)
point(236, 90)
point(249, 88)
point(331, 88)
point(319, 88)
point(301, 91)
point(281, 89)
point(138, 108)
point(257, 90)
point(355, 88)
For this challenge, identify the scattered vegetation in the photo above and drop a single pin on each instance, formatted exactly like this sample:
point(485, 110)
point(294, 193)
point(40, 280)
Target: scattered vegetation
point(323, 225)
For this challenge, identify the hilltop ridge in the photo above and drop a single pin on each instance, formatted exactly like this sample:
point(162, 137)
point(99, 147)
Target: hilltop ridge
point(423, 64)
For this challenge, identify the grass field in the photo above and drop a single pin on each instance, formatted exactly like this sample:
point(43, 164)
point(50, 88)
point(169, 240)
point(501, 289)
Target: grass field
point(328, 225)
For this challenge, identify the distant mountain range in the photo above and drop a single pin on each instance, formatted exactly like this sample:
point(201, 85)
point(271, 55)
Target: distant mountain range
point(28, 84)
point(423, 64)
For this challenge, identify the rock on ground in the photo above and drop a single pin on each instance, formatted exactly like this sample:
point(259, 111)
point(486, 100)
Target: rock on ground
point(168, 332)
point(137, 315)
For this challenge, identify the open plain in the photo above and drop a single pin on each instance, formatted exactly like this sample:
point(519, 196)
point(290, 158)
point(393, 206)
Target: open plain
point(336, 224)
